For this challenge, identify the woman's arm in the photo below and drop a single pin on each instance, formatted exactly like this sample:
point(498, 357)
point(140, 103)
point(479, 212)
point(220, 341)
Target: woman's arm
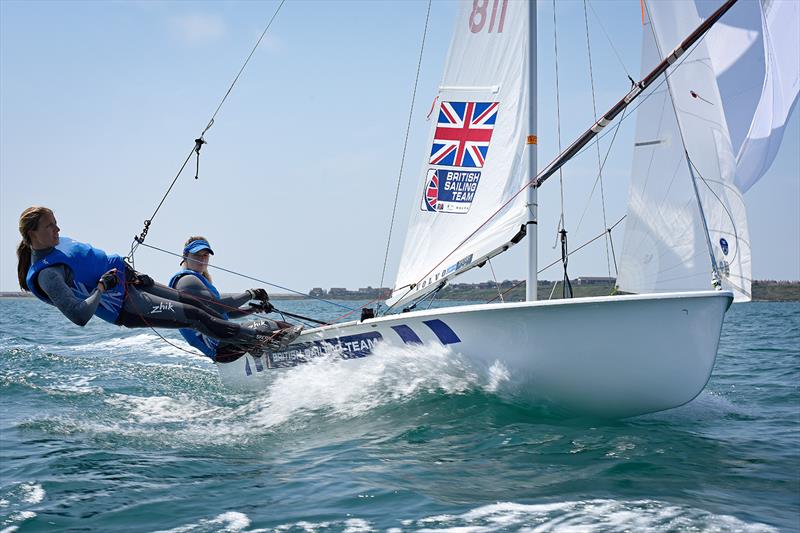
point(232, 302)
point(235, 299)
point(53, 281)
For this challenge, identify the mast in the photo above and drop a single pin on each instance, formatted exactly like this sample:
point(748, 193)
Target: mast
point(532, 279)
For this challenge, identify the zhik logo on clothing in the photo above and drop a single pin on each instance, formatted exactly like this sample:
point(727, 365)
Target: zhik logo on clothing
point(162, 306)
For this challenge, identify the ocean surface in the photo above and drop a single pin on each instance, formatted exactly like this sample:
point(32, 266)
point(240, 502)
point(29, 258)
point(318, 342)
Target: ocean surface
point(108, 429)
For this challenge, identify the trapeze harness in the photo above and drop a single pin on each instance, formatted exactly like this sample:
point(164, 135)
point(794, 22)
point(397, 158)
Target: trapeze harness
point(87, 264)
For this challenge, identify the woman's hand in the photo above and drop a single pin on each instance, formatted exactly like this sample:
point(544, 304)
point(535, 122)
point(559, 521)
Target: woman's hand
point(259, 294)
point(108, 280)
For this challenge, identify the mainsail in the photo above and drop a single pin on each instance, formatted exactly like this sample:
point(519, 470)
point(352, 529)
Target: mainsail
point(686, 217)
point(467, 206)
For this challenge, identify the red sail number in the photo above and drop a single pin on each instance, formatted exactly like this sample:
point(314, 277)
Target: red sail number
point(477, 19)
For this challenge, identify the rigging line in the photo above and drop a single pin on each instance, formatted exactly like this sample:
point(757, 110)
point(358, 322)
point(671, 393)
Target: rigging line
point(587, 243)
point(137, 240)
point(494, 276)
point(301, 317)
point(594, 111)
point(199, 141)
point(354, 310)
point(613, 254)
point(559, 260)
point(562, 222)
point(433, 297)
point(608, 38)
point(725, 207)
point(254, 279)
point(597, 179)
point(553, 290)
point(405, 144)
point(253, 51)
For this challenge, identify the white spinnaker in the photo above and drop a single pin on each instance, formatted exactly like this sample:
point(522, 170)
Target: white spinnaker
point(666, 247)
point(487, 63)
point(779, 22)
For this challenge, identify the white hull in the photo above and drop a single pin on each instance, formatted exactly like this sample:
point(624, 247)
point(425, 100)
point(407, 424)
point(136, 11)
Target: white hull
point(614, 356)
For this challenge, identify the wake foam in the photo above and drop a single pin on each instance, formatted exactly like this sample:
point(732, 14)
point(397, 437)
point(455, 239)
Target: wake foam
point(16, 502)
point(351, 388)
point(295, 399)
point(591, 515)
point(230, 522)
point(566, 517)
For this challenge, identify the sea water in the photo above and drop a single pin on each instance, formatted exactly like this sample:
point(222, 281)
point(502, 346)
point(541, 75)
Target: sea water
point(109, 429)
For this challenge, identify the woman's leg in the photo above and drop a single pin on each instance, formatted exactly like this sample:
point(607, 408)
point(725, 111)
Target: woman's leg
point(161, 308)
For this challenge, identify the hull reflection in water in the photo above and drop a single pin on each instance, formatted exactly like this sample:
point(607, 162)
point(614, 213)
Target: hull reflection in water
point(615, 356)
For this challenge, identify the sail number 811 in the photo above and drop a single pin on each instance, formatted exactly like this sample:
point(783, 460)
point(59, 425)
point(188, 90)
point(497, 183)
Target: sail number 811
point(477, 19)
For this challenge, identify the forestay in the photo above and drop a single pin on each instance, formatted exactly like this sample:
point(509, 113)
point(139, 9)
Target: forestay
point(477, 161)
point(683, 169)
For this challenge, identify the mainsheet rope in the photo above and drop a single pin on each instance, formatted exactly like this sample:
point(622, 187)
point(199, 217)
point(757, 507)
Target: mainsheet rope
point(235, 273)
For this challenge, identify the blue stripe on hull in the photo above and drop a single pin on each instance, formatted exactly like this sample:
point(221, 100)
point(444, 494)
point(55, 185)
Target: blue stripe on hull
point(442, 331)
point(407, 334)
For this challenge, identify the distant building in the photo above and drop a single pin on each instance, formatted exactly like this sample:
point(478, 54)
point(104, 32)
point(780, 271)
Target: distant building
point(338, 291)
point(316, 292)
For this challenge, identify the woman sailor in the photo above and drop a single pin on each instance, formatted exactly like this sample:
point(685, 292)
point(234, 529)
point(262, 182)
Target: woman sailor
point(82, 281)
point(195, 280)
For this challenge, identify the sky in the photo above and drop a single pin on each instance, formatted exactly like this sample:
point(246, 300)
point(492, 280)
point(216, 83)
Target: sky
point(100, 103)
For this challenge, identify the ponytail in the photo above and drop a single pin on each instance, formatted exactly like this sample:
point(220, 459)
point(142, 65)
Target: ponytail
point(28, 221)
point(23, 264)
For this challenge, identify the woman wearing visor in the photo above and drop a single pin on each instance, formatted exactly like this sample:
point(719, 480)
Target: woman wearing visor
point(82, 281)
point(193, 279)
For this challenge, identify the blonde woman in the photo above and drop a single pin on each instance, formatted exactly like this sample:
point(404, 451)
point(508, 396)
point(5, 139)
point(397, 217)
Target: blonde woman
point(195, 280)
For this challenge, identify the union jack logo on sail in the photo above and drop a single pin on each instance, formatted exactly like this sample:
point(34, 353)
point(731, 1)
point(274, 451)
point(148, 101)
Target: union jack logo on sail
point(463, 132)
point(432, 191)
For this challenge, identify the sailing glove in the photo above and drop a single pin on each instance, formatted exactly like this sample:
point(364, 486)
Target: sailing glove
point(109, 279)
point(262, 307)
point(142, 280)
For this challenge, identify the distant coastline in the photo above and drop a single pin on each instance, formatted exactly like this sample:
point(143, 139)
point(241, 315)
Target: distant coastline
point(514, 291)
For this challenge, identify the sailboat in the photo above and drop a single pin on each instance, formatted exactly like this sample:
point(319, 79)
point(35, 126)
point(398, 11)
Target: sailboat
point(685, 256)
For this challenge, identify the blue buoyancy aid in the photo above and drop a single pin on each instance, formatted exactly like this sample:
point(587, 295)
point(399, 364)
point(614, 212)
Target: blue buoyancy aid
point(204, 343)
point(87, 264)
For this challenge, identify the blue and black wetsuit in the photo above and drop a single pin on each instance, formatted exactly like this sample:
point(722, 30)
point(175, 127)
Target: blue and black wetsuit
point(228, 305)
point(66, 276)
